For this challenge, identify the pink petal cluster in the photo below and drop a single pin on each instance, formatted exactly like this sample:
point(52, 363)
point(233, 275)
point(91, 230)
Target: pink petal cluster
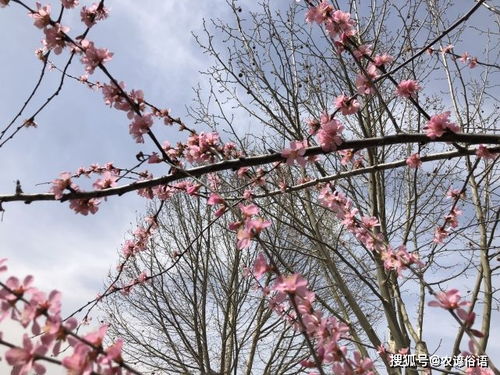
point(27, 305)
point(364, 81)
point(380, 60)
point(339, 24)
point(362, 51)
point(320, 13)
point(408, 88)
point(85, 206)
point(295, 153)
point(330, 133)
point(96, 12)
point(293, 301)
point(60, 184)
point(23, 359)
point(449, 300)
point(439, 124)
point(250, 227)
point(414, 161)
point(346, 105)
point(483, 152)
point(202, 147)
point(93, 57)
point(55, 38)
point(41, 18)
point(140, 126)
point(398, 259)
point(107, 180)
point(68, 4)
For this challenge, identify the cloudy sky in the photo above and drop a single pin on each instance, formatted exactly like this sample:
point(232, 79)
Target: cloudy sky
point(154, 51)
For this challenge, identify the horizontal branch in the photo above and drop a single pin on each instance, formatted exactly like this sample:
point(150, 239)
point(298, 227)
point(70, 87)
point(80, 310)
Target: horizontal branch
point(235, 164)
point(360, 171)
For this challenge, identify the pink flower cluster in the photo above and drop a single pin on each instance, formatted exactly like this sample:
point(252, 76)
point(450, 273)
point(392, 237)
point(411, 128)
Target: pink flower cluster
point(140, 239)
point(33, 309)
point(364, 80)
point(439, 124)
point(92, 57)
point(290, 298)
point(295, 153)
point(109, 175)
point(338, 24)
point(329, 134)
point(346, 105)
point(202, 147)
point(442, 232)
point(469, 60)
point(250, 226)
point(41, 18)
point(96, 12)
point(408, 88)
point(363, 229)
point(414, 161)
point(69, 4)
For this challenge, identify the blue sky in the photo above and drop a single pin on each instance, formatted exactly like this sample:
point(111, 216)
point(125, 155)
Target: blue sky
point(154, 51)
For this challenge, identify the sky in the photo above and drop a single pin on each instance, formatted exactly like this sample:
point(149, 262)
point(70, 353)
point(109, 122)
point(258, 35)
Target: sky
point(154, 50)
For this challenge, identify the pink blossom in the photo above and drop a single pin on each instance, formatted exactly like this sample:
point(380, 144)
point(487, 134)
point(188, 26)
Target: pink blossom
point(96, 12)
point(414, 161)
point(330, 134)
point(60, 184)
point(361, 365)
point(79, 362)
point(483, 152)
point(347, 156)
point(93, 57)
point(85, 206)
point(384, 59)
point(214, 199)
point(465, 57)
point(346, 105)
point(68, 4)
point(260, 266)
point(320, 13)
point(452, 218)
point(3, 267)
point(55, 38)
point(250, 210)
point(295, 153)
point(293, 284)
point(364, 81)
point(140, 126)
point(164, 192)
point(107, 180)
point(362, 51)
point(439, 124)
point(408, 88)
point(42, 16)
point(448, 300)
point(473, 62)
point(313, 125)
point(251, 229)
point(439, 235)
point(154, 158)
point(340, 25)
point(447, 49)
point(455, 194)
point(113, 96)
point(23, 359)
